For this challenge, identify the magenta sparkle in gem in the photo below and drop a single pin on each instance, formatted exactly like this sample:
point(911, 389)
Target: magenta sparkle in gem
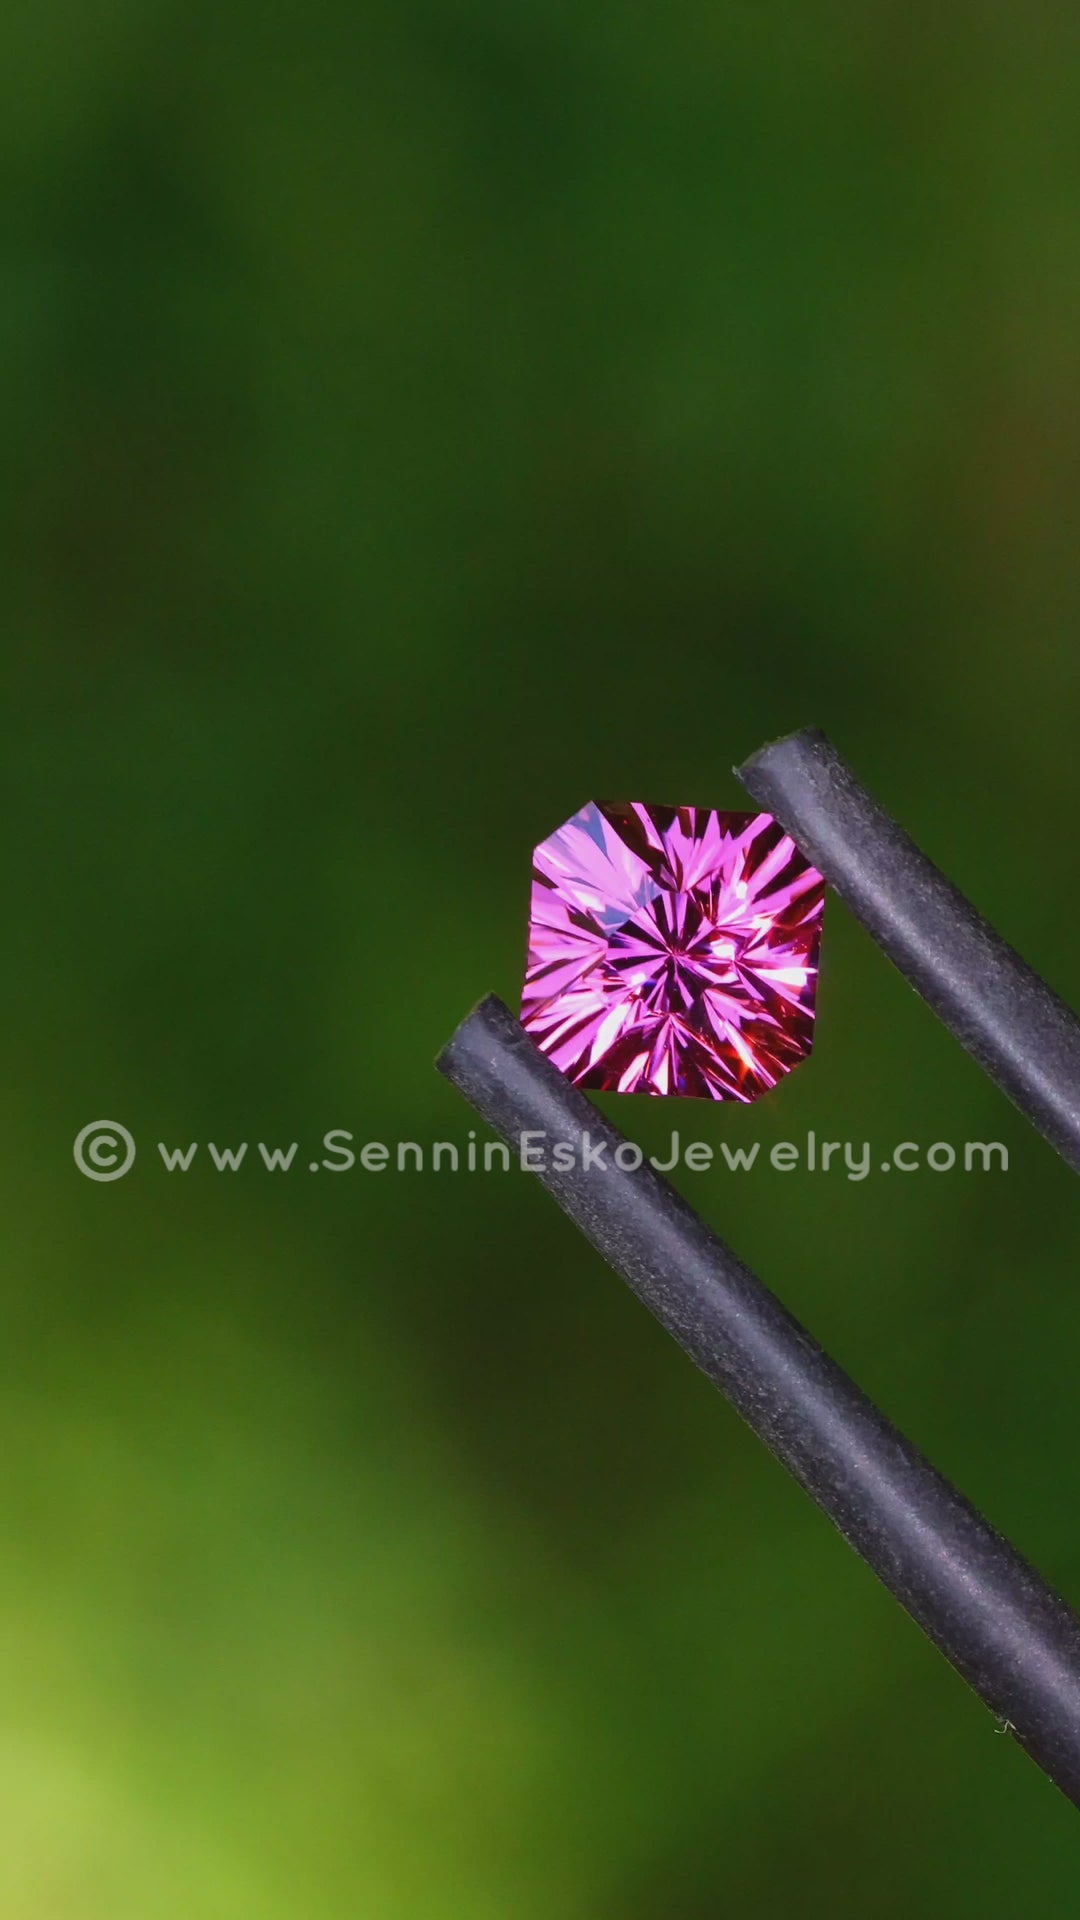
point(672, 950)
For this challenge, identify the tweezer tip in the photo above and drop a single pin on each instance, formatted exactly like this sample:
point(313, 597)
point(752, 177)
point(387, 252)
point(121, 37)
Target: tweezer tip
point(489, 1014)
point(803, 740)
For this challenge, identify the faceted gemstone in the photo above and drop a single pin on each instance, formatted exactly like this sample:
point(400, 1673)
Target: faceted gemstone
point(672, 950)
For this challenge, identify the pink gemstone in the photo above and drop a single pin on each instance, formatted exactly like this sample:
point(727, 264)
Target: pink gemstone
point(673, 950)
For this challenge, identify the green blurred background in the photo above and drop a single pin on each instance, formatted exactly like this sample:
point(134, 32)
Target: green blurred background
point(426, 417)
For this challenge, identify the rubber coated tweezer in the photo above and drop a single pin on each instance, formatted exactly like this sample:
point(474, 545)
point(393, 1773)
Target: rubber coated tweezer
point(990, 1613)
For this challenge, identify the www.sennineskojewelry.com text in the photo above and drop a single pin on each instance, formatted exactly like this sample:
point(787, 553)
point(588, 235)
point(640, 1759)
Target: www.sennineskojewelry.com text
point(105, 1151)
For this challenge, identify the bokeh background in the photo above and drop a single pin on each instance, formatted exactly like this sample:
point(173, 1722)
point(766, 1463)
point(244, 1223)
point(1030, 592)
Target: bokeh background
point(426, 416)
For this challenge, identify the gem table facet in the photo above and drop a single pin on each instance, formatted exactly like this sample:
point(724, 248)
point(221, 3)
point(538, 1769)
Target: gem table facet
point(672, 950)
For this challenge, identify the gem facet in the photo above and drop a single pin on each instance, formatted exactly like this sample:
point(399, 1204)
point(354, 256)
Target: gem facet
point(672, 950)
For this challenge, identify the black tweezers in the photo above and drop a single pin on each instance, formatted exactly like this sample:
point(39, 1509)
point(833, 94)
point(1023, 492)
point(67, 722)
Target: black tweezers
point(990, 1613)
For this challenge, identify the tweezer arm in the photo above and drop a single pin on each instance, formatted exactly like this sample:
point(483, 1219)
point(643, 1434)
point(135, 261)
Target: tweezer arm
point(1015, 1025)
point(991, 1615)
